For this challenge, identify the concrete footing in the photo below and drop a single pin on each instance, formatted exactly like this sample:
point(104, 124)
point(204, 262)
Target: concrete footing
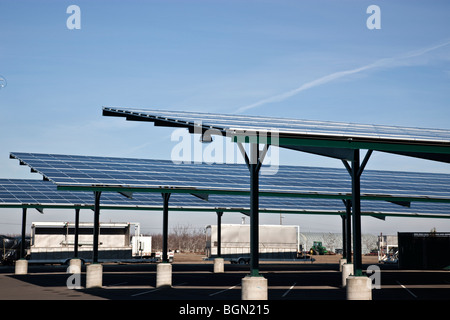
point(347, 270)
point(218, 265)
point(21, 266)
point(341, 263)
point(74, 266)
point(94, 276)
point(163, 275)
point(359, 288)
point(254, 288)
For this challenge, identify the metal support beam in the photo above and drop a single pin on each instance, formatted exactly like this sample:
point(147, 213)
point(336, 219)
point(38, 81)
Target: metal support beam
point(24, 224)
point(77, 229)
point(219, 234)
point(254, 163)
point(347, 231)
point(97, 195)
point(364, 163)
point(254, 210)
point(344, 236)
point(356, 214)
point(166, 197)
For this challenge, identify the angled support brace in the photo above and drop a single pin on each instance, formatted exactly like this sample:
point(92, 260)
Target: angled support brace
point(362, 166)
point(244, 154)
point(364, 163)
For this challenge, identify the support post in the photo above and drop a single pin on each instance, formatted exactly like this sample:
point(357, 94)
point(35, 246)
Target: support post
point(219, 261)
point(254, 286)
point(24, 224)
point(166, 197)
point(164, 269)
point(97, 195)
point(254, 210)
point(21, 265)
point(219, 234)
point(348, 230)
point(356, 214)
point(77, 225)
point(344, 236)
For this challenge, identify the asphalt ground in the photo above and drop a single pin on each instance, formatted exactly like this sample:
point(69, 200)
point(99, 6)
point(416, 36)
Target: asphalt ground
point(291, 285)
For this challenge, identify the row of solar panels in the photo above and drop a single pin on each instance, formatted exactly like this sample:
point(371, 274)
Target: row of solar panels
point(44, 194)
point(291, 188)
point(119, 174)
point(183, 180)
point(224, 122)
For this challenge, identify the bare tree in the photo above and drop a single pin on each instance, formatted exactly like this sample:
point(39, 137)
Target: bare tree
point(182, 237)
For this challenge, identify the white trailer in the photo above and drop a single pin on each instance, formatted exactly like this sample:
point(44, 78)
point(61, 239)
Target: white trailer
point(53, 242)
point(141, 246)
point(276, 242)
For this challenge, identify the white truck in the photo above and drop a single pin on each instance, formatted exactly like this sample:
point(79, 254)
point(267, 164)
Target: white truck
point(276, 242)
point(141, 246)
point(53, 242)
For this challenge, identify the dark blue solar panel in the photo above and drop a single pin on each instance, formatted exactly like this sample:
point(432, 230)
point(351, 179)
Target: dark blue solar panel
point(290, 180)
point(44, 193)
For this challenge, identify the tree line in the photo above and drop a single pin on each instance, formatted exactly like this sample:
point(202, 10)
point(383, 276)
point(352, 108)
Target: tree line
point(183, 238)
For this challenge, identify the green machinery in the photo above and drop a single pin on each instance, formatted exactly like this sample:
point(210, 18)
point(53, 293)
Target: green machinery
point(318, 249)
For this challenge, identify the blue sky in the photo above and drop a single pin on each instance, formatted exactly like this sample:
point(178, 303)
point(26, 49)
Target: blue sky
point(300, 59)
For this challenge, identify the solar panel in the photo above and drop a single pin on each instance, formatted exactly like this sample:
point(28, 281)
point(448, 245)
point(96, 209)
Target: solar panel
point(44, 194)
point(285, 126)
point(136, 175)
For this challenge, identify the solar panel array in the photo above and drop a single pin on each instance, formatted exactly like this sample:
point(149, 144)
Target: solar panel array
point(164, 175)
point(39, 193)
point(296, 127)
point(45, 193)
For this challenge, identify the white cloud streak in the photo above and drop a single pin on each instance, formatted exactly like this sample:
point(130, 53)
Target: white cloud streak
point(386, 63)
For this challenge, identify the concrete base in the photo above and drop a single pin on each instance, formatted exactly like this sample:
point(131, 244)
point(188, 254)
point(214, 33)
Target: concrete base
point(163, 275)
point(74, 266)
point(341, 263)
point(254, 288)
point(21, 266)
point(218, 265)
point(347, 270)
point(94, 276)
point(359, 288)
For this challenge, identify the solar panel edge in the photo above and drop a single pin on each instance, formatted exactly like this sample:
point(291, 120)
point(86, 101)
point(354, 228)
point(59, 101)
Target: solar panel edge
point(377, 129)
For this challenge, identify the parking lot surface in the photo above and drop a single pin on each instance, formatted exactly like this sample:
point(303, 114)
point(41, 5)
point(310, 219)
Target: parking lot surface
point(197, 281)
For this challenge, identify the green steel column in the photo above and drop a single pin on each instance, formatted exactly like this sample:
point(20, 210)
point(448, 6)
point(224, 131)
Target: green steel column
point(344, 236)
point(219, 234)
point(24, 223)
point(356, 215)
point(77, 224)
point(348, 230)
point(254, 210)
point(97, 195)
point(166, 197)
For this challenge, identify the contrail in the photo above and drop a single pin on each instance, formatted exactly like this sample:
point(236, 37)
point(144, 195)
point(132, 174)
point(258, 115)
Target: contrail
point(337, 75)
